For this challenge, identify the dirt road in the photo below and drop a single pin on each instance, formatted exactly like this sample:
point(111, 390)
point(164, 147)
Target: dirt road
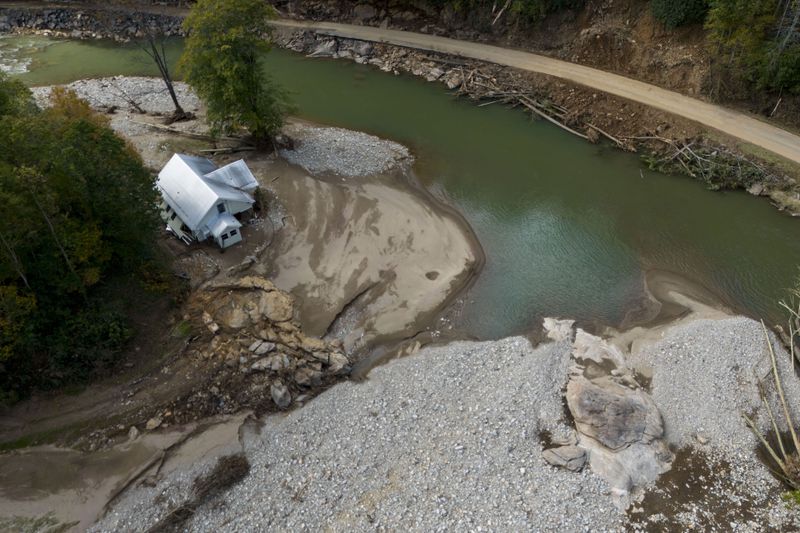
point(739, 125)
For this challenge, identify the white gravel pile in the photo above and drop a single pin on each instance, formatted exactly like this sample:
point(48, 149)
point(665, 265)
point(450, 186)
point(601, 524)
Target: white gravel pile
point(704, 378)
point(150, 94)
point(343, 152)
point(448, 439)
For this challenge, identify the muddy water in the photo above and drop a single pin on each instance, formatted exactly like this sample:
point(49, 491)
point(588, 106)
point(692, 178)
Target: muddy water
point(568, 228)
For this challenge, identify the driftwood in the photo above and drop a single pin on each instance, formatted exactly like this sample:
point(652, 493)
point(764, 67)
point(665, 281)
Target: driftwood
point(480, 86)
point(719, 166)
point(228, 150)
point(183, 133)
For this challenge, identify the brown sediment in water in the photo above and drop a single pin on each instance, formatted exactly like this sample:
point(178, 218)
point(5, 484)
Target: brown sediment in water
point(370, 260)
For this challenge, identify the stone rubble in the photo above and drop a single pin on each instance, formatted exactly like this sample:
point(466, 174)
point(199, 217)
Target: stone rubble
point(320, 151)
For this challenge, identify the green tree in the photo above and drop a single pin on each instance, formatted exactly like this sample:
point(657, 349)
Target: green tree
point(757, 41)
point(79, 209)
point(222, 61)
point(674, 13)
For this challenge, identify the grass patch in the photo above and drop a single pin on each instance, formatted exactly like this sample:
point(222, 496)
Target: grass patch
point(182, 330)
point(783, 449)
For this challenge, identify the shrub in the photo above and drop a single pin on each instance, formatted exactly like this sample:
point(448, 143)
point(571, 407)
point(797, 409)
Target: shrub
point(674, 13)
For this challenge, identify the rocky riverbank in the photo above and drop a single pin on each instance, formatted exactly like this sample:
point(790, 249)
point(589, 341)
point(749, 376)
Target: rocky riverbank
point(466, 435)
point(81, 22)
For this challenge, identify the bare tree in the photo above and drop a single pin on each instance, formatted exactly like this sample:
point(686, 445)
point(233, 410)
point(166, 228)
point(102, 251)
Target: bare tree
point(154, 47)
point(788, 30)
point(9, 249)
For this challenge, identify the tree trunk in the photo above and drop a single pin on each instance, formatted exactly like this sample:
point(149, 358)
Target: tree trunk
point(159, 56)
point(15, 260)
point(60, 245)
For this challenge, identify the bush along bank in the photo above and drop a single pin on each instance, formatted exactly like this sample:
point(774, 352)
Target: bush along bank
point(666, 143)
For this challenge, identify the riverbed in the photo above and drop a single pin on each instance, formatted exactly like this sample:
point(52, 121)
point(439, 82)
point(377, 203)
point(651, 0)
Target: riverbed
point(568, 228)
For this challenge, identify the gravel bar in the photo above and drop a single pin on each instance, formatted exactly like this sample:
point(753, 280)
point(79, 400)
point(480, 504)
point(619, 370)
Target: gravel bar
point(343, 152)
point(448, 439)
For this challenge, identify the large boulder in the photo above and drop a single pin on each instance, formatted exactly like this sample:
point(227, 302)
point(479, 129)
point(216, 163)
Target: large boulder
point(613, 415)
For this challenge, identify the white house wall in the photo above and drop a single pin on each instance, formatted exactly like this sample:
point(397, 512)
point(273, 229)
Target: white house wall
point(233, 208)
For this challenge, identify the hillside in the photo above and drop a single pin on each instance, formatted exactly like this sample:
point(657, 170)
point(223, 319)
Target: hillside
point(620, 36)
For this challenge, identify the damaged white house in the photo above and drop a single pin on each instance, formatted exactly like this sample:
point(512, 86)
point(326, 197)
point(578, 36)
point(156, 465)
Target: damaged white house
point(199, 200)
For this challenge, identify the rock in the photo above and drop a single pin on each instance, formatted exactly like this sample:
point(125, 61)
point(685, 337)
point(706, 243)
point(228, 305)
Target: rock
point(338, 363)
point(613, 415)
point(276, 306)
point(268, 335)
point(280, 395)
point(311, 345)
point(325, 49)
point(434, 74)
point(273, 363)
point(262, 365)
point(133, 433)
point(558, 330)
point(570, 457)
point(264, 348)
point(362, 12)
point(363, 48)
point(622, 431)
point(756, 189)
point(253, 347)
point(591, 347)
point(234, 317)
point(153, 423)
point(453, 80)
point(209, 322)
point(308, 377)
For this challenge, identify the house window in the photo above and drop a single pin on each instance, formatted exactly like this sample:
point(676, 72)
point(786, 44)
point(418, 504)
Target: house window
point(233, 232)
point(173, 216)
point(221, 208)
point(224, 236)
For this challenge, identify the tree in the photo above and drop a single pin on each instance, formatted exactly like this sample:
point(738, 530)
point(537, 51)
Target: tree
point(154, 47)
point(674, 13)
point(225, 42)
point(79, 209)
point(758, 41)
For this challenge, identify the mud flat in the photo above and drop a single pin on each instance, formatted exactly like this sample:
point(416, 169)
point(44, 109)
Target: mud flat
point(45, 486)
point(367, 260)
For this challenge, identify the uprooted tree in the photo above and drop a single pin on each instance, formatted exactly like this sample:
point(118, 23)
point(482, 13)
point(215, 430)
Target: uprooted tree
point(222, 60)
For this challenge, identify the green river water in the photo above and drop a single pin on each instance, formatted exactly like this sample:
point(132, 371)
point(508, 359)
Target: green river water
point(568, 228)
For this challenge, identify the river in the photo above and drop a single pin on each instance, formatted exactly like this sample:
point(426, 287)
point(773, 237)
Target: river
point(569, 228)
